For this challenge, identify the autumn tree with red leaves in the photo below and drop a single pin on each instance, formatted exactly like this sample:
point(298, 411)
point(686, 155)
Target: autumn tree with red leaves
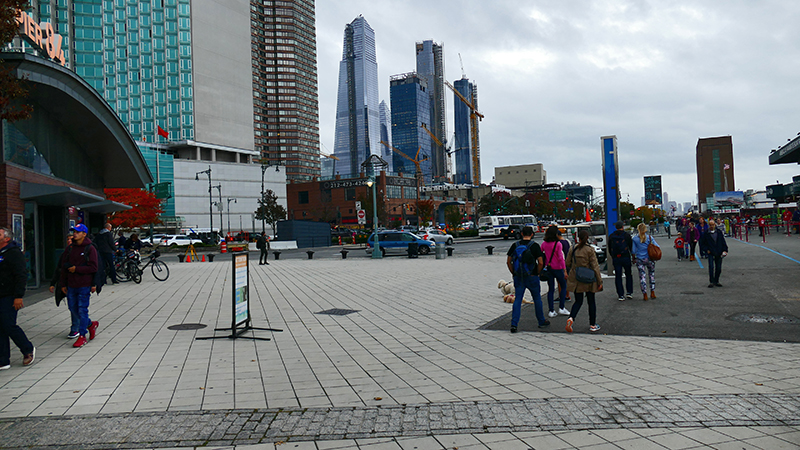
point(146, 208)
point(12, 91)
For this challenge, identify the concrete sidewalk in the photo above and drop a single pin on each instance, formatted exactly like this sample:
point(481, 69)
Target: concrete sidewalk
point(409, 368)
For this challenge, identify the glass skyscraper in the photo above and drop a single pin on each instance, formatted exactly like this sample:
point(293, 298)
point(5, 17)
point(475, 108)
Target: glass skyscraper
point(357, 115)
point(465, 169)
point(410, 109)
point(430, 67)
point(386, 134)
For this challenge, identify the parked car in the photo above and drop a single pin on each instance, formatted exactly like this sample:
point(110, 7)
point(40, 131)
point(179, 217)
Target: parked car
point(148, 241)
point(600, 252)
point(174, 240)
point(436, 235)
point(341, 232)
point(397, 242)
point(409, 228)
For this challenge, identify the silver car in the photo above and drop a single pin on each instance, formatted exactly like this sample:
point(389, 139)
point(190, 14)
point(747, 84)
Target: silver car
point(436, 235)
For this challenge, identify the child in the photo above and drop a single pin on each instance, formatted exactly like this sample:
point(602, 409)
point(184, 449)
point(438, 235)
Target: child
point(679, 246)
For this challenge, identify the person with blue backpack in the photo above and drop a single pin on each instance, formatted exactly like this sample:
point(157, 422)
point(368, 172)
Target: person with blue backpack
point(525, 260)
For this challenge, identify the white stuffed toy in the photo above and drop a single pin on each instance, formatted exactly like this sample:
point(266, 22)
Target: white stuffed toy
point(507, 289)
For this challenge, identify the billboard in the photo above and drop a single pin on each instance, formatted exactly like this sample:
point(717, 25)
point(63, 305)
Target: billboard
point(730, 199)
point(652, 190)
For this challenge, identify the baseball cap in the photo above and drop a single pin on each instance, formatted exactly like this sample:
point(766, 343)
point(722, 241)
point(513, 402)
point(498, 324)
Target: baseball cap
point(81, 228)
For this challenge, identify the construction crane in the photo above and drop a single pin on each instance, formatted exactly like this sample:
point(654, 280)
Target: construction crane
point(331, 156)
point(414, 160)
point(474, 116)
point(463, 74)
point(447, 149)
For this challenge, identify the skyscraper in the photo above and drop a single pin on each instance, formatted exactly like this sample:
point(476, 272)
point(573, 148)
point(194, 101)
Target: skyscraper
point(466, 169)
point(386, 134)
point(357, 115)
point(410, 109)
point(430, 67)
point(714, 167)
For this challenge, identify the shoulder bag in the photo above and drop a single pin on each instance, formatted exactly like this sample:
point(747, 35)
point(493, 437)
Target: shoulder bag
point(653, 251)
point(583, 274)
point(547, 272)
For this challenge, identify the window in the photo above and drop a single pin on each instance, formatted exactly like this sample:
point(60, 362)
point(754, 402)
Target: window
point(303, 197)
point(350, 194)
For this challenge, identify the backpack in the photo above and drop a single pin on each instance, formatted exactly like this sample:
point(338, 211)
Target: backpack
point(620, 245)
point(523, 261)
point(99, 276)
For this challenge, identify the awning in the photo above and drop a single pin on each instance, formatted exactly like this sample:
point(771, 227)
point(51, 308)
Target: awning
point(104, 207)
point(49, 195)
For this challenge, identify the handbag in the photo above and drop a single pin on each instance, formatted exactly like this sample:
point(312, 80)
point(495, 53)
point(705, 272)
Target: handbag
point(653, 251)
point(547, 272)
point(583, 274)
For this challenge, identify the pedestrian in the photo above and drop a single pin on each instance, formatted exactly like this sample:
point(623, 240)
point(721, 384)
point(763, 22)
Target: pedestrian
point(619, 247)
point(713, 244)
point(692, 236)
point(77, 279)
point(582, 256)
point(564, 246)
point(13, 282)
point(679, 244)
point(263, 244)
point(727, 226)
point(643, 263)
point(56, 289)
point(133, 243)
point(554, 258)
point(702, 227)
point(667, 228)
point(762, 224)
point(121, 240)
point(525, 261)
point(105, 247)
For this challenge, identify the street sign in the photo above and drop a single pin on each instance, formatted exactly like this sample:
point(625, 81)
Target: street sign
point(556, 196)
point(362, 217)
point(358, 206)
point(161, 190)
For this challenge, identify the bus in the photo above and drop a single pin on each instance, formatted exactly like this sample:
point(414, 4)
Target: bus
point(505, 226)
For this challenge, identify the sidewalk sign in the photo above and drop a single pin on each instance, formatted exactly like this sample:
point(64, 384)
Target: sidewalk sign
point(241, 321)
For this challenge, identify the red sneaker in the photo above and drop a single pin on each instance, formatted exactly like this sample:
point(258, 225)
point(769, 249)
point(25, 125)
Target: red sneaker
point(93, 329)
point(80, 342)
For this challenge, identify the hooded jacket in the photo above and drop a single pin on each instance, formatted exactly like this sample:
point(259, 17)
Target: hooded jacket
point(13, 273)
point(84, 257)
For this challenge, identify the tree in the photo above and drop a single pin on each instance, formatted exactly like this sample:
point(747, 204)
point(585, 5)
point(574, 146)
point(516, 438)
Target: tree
point(424, 211)
point(146, 208)
point(626, 210)
point(269, 210)
point(452, 217)
point(12, 91)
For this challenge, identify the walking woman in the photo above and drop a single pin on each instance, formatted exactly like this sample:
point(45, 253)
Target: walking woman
point(692, 237)
point(642, 260)
point(554, 257)
point(582, 255)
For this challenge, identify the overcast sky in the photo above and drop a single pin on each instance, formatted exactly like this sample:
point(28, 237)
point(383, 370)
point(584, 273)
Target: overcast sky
point(554, 76)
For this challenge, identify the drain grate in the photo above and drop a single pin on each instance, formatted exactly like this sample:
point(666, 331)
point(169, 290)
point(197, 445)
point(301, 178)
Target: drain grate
point(338, 312)
point(763, 318)
point(186, 326)
point(692, 293)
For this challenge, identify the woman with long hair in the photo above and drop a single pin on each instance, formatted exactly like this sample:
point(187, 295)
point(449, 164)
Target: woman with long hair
point(583, 255)
point(642, 260)
point(554, 257)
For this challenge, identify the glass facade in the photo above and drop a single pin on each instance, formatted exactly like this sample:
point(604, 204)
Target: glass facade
point(162, 167)
point(386, 135)
point(357, 116)
point(462, 147)
point(286, 110)
point(136, 53)
point(410, 109)
point(430, 67)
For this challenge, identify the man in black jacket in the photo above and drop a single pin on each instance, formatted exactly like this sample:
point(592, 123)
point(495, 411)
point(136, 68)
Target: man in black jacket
point(712, 243)
point(13, 282)
point(106, 248)
point(619, 247)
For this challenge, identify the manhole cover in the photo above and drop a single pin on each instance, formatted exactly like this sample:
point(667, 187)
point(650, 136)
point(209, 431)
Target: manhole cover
point(186, 326)
point(692, 293)
point(338, 312)
point(763, 318)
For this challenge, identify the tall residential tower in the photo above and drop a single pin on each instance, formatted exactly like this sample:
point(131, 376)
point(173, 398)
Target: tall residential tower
point(410, 109)
point(430, 67)
point(467, 143)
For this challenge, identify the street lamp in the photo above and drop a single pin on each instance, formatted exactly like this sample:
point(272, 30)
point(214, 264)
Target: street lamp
point(376, 252)
point(219, 205)
point(229, 212)
point(210, 200)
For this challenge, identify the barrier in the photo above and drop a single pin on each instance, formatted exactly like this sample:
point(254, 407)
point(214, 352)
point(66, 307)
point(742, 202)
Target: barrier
point(223, 247)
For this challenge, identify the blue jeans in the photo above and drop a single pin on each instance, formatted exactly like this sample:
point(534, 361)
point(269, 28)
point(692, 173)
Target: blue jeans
point(10, 329)
point(558, 275)
point(530, 283)
point(78, 302)
point(714, 268)
point(620, 265)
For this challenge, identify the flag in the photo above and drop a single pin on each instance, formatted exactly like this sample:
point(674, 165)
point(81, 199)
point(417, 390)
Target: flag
point(588, 217)
point(162, 132)
point(726, 167)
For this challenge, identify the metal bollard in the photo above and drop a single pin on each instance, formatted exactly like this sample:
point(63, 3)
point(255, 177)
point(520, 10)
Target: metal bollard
point(210, 257)
point(310, 254)
point(449, 251)
point(489, 248)
point(180, 258)
point(344, 253)
point(277, 255)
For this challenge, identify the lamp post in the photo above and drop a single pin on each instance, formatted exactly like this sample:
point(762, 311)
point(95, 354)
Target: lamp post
point(376, 252)
point(219, 204)
point(210, 200)
point(229, 212)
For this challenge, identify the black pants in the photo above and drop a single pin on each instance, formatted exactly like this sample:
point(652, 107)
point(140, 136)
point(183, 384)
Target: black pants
point(262, 259)
point(620, 265)
point(108, 263)
point(714, 268)
point(10, 329)
point(576, 307)
point(691, 248)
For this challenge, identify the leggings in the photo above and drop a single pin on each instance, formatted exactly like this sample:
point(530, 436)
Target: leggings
point(592, 306)
point(646, 266)
point(691, 247)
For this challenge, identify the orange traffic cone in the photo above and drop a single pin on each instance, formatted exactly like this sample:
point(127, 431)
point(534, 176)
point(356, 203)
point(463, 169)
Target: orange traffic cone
point(204, 258)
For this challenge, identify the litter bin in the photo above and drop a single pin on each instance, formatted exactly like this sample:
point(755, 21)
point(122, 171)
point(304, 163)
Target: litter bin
point(413, 250)
point(440, 252)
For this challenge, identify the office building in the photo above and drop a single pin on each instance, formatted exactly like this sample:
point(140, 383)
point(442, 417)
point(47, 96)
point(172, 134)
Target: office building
point(386, 134)
point(466, 148)
point(410, 109)
point(357, 116)
point(714, 167)
point(520, 177)
point(430, 67)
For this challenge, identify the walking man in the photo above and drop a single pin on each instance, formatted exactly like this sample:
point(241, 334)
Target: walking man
point(713, 244)
point(525, 260)
point(13, 281)
point(619, 247)
point(105, 246)
point(77, 278)
point(263, 244)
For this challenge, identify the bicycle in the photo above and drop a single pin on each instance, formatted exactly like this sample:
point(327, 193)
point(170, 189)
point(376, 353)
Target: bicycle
point(159, 268)
point(127, 267)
